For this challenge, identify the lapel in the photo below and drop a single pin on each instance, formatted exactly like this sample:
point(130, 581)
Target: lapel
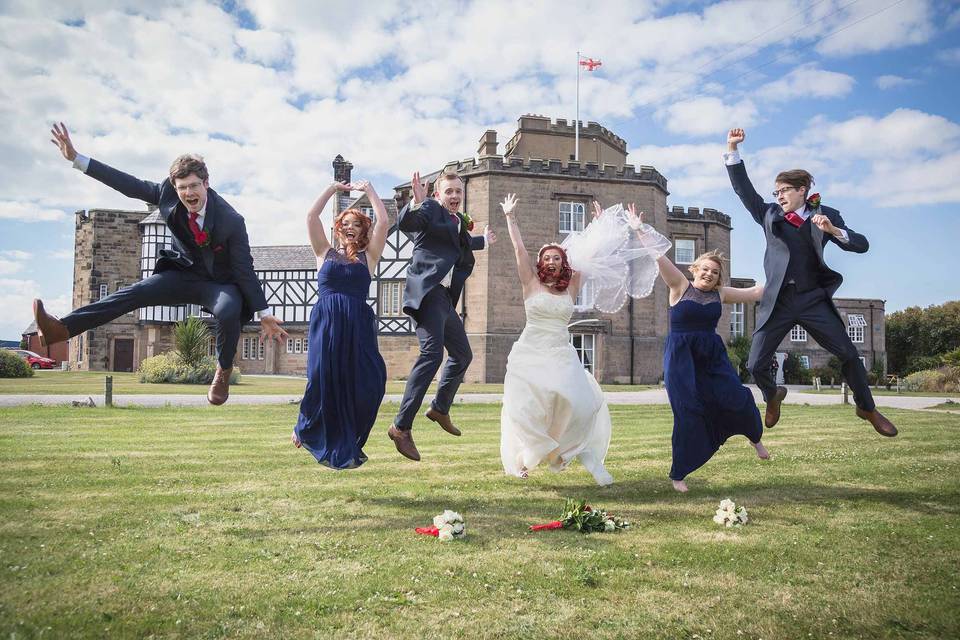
point(209, 222)
point(816, 234)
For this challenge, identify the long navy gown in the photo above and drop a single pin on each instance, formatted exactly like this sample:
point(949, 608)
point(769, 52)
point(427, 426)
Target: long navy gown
point(709, 403)
point(346, 376)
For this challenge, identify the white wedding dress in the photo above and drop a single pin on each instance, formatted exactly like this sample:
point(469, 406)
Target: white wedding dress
point(553, 409)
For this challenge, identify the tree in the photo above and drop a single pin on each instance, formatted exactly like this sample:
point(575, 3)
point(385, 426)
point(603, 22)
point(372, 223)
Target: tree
point(191, 338)
point(738, 350)
point(918, 338)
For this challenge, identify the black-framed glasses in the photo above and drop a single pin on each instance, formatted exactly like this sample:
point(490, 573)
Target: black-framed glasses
point(776, 193)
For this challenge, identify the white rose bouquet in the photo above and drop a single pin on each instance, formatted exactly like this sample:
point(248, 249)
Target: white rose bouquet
point(447, 526)
point(729, 514)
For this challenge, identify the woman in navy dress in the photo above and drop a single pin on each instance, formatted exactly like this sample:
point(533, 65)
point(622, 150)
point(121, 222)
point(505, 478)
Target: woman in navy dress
point(346, 376)
point(709, 403)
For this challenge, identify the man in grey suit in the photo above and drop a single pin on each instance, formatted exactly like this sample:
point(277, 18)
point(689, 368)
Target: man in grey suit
point(442, 259)
point(800, 286)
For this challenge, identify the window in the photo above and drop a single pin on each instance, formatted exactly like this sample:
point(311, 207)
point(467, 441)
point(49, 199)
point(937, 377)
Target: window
point(260, 344)
point(855, 325)
point(245, 349)
point(805, 361)
point(80, 348)
point(584, 343)
point(684, 250)
point(103, 292)
point(298, 345)
point(736, 320)
point(571, 216)
point(368, 211)
point(252, 349)
point(391, 298)
point(798, 334)
point(587, 295)
point(289, 345)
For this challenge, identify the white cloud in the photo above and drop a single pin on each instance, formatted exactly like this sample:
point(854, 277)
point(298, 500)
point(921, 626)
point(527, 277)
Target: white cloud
point(16, 299)
point(867, 28)
point(707, 116)
point(808, 82)
point(893, 81)
point(27, 212)
point(903, 132)
point(264, 47)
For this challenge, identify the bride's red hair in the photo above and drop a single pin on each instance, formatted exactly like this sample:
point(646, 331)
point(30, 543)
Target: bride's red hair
point(351, 249)
point(566, 273)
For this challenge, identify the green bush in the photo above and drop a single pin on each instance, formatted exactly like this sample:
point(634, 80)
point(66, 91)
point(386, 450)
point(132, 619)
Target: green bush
point(942, 380)
point(170, 368)
point(794, 372)
point(13, 366)
point(951, 358)
point(191, 337)
point(739, 351)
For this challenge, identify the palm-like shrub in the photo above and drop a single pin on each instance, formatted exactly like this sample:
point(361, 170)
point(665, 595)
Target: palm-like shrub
point(191, 337)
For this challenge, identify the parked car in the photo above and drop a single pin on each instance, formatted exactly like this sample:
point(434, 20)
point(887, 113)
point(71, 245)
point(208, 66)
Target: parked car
point(35, 360)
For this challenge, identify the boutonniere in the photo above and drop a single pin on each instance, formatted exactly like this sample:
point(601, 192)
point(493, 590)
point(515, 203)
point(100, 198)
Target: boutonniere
point(813, 202)
point(203, 239)
point(467, 220)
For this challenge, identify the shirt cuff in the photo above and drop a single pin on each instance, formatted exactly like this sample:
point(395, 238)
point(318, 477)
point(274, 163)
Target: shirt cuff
point(81, 162)
point(264, 313)
point(731, 157)
point(844, 236)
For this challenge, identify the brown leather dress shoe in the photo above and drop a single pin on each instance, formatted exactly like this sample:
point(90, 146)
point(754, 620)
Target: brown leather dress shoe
point(772, 416)
point(49, 328)
point(220, 387)
point(883, 426)
point(442, 419)
point(403, 440)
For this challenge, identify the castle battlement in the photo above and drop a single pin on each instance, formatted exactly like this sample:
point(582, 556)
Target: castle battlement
point(695, 214)
point(554, 167)
point(531, 123)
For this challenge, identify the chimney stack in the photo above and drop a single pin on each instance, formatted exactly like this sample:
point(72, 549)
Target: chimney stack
point(341, 169)
point(488, 144)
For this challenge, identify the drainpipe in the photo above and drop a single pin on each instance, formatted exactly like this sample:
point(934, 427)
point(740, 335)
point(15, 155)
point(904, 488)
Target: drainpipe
point(632, 339)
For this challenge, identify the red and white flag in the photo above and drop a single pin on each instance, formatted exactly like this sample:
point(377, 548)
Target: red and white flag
point(590, 63)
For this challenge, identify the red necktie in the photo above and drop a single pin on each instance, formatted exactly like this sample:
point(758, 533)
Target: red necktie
point(793, 218)
point(454, 217)
point(194, 227)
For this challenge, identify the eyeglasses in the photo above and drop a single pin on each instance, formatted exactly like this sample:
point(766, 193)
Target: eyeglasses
point(186, 188)
point(776, 194)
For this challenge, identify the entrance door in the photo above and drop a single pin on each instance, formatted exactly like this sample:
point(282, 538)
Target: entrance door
point(123, 354)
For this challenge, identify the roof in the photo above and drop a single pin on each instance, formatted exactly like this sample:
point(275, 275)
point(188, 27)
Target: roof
point(32, 329)
point(283, 257)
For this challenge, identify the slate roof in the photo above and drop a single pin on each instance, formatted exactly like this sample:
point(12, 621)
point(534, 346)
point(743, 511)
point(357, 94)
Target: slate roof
point(284, 258)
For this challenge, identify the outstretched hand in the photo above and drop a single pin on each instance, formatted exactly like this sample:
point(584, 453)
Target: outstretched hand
point(419, 188)
point(634, 219)
point(342, 186)
point(735, 137)
point(270, 329)
point(509, 204)
point(597, 210)
point(61, 138)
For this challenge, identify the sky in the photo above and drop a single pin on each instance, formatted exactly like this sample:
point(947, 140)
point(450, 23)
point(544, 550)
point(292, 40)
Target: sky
point(862, 93)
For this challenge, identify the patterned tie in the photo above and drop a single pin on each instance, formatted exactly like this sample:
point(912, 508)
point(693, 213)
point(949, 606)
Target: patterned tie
point(793, 218)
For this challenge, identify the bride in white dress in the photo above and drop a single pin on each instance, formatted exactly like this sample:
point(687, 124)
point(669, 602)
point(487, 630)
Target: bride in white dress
point(553, 408)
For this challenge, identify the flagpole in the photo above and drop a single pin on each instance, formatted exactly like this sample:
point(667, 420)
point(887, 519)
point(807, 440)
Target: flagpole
point(576, 122)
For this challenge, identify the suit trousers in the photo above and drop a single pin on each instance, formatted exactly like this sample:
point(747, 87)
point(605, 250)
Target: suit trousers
point(439, 327)
point(168, 288)
point(813, 311)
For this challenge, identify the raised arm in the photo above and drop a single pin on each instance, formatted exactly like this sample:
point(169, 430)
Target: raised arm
point(381, 223)
point(525, 268)
point(735, 294)
point(414, 217)
point(318, 237)
point(673, 277)
point(738, 176)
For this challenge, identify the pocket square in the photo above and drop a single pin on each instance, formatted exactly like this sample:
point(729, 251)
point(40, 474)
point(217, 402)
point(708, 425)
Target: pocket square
point(218, 248)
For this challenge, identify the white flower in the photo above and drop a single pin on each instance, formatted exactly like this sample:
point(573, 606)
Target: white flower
point(452, 516)
point(446, 535)
point(727, 505)
point(719, 519)
point(609, 525)
point(438, 521)
point(457, 528)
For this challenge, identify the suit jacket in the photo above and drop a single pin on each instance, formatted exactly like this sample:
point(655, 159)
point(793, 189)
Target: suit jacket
point(437, 247)
point(226, 258)
point(777, 255)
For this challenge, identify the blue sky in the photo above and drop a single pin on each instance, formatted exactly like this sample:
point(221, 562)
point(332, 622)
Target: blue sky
point(862, 93)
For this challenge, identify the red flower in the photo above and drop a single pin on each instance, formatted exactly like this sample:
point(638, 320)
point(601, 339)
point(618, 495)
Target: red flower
point(814, 201)
point(202, 238)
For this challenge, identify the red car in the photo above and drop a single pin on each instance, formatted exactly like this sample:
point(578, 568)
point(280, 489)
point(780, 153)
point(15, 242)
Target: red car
point(36, 361)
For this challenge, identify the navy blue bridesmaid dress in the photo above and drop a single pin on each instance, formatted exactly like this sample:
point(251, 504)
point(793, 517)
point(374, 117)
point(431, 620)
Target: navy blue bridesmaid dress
point(346, 376)
point(708, 400)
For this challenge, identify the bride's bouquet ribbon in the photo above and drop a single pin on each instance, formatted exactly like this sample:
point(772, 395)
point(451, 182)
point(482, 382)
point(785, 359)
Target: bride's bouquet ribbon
point(556, 524)
point(428, 531)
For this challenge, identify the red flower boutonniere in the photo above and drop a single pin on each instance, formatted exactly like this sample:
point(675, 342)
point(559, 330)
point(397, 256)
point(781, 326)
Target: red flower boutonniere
point(814, 201)
point(467, 220)
point(202, 238)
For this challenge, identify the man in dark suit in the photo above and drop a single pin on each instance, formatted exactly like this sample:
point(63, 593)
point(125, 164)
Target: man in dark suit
point(209, 263)
point(800, 286)
point(442, 259)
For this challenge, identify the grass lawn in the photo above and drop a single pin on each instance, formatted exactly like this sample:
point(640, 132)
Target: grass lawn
point(207, 523)
point(91, 383)
point(882, 391)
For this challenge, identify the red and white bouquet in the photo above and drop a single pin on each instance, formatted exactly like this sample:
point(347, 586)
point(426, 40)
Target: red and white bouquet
point(580, 516)
point(447, 526)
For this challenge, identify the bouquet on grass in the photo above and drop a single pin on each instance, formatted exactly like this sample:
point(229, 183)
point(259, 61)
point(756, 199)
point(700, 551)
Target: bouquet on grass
point(578, 515)
point(447, 526)
point(729, 514)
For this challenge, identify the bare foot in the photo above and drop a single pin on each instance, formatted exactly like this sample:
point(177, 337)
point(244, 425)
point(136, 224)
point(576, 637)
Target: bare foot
point(762, 452)
point(295, 440)
point(680, 486)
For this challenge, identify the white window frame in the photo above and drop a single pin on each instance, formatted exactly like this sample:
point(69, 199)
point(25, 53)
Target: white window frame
point(586, 350)
point(737, 315)
point(681, 258)
point(572, 216)
point(298, 345)
point(261, 347)
point(856, 324)
point(245, 349)
point(391, 298)
point(587, 295)
point(798, 334)
point(289, 345)
point(104, 292)
point(80, 347)
point(804, 361)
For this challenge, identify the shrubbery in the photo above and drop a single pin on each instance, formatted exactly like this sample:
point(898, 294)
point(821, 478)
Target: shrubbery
point(13, 366)
point(168, 367)
point(942, 380)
